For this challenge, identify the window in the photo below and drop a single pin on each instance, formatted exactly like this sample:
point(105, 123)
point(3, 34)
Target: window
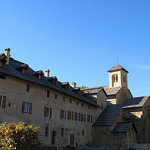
point(70, 100)
point(84, 117)
point(77, 103)
point(3, 101)
point(89, 106)
point(91, 119)
point(62, 114)
point(55, 96)
point(62, 132)
point(27, 107)
point(75, 116)
point(64, 99)
point(88, 118)
point(82, 105)
point(46, 130)
point(81, 117)
point(82, 132)
point(115, 78)
point(91, 133)
point(48, 93)
point(47, 112)
point(28, 87)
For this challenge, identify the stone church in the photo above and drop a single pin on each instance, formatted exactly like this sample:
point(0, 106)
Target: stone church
point(68, 115)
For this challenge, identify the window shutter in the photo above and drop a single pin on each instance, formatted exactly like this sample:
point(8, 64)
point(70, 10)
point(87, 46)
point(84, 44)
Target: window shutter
point(72, 115)
point(50, 115)
point(4, 102)
point(23, 105)
point(75, 116)
point(68, 115)
point(30, 108)
point(79, 116)
point(45, 111)
point(60, 113)
point(65, 114)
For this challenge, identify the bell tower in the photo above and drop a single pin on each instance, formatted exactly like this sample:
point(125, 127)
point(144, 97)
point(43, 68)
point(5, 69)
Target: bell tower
point(118, 76)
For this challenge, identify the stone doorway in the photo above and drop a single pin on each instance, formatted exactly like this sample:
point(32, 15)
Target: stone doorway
point(71, 139)
point(53, 137)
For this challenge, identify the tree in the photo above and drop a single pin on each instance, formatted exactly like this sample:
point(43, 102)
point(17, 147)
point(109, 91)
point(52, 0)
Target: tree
point(18, 136)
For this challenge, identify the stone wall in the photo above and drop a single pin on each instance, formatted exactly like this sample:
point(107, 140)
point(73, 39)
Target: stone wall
point(16, 93)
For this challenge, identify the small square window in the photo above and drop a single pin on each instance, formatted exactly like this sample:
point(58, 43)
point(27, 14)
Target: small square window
point(48, 93)
point(70, 100)
point(64, 99)
point(28, 87)
point(55, 96)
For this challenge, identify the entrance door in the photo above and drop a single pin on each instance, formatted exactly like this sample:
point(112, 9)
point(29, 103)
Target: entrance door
point(53, 137)
point(71, 139)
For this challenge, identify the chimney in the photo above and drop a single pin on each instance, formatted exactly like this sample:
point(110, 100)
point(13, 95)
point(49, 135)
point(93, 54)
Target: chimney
point(74, 84)
point(47, 73)
point(7, 53)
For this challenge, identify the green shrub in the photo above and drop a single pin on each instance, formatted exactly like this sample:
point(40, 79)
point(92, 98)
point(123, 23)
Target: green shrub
point(18, 136)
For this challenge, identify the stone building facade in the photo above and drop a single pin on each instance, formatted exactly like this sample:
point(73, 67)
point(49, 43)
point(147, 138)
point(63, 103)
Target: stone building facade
point(70, 116)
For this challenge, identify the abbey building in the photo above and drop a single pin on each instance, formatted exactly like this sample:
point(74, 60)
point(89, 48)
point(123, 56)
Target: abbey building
point(67, 115)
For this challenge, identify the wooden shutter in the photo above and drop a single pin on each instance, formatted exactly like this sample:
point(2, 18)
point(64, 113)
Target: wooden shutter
point(72, 115)
point(75, 116)
point(65, 114)
point(68, 115)
point(79, 116)
point(4, 102)
point(23, 105)
point(50, 115)
point(45, 111)
point(30, 108)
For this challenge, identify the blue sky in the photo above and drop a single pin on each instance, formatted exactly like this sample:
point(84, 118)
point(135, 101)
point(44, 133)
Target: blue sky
point(79, 40)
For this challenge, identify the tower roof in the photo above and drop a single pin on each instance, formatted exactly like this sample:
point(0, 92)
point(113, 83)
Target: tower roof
point(116, 68)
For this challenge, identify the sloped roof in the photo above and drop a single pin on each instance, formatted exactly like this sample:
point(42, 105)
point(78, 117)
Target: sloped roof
point(11, 70)
point(116, 68)
point(109, 91)
point(134, 102)
point(108, 116)
point(113, 91)
point(122, 127)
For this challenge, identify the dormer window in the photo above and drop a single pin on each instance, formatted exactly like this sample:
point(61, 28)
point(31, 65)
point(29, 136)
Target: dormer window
point(3, 60)
point(53, 80)
point(76, 90)
point(23, 68)
point(39, 74)
point(65, 85)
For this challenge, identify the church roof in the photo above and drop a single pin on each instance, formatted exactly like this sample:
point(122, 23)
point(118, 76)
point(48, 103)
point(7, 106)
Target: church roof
point(108, 116)
point(122, 127)
point(116, 68)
